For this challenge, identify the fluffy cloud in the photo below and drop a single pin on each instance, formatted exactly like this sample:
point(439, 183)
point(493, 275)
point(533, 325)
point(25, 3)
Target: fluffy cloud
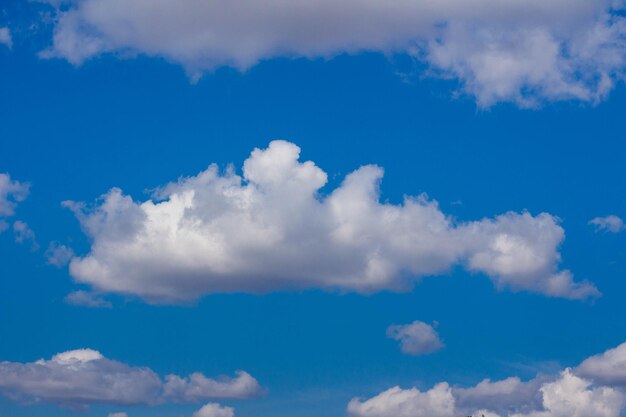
point(572, 396)
point(82, 377)
point(517, 50)
point(566, 396)
point(608, 368)
point(214, 410)
point(5, 37)
point(272, 230)
point(417, 338)
point(396, 402)
point(612, 224)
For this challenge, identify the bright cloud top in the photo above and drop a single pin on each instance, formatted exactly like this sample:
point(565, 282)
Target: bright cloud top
point(271, 230)
point(214, 410)
point(82, 377)
point(520, 51)
point(567, 395)
point(417, 338)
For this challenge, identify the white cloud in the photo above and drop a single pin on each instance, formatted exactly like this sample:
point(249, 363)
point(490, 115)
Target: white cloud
point(118, 415)
point(25, 235)
point(565, 396)
point(5, 37)
point(522, 51)
point(197, 387)
point(608, 368)
point(214, 410)
point(79, 378)
point(396, 402)
point(58, 255)
point(503, 397)
point(609, 223)
point(417, 338)
point(571, 396)
point(272, 230)
point(87, 299)
point(11, 193)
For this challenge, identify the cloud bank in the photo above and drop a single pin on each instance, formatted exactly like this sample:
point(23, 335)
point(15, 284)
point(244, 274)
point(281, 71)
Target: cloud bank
point(567, 395)
point(518, 51)
point(272, 230)
point(417, 338)
point(79, 378)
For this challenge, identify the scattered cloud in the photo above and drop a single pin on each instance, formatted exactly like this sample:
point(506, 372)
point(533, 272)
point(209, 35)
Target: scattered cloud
point(214, 410)
point(608, 368)
point(25, 235)
point(272, 230)
point(569, 394)
point(197, 387)
point(5, 37)
point(417, 338)
point(87, 299)
point(514, 51)
point(58, 255)
point(118, 415)
point(79, 378)
point(11, 193)
point(612, 224)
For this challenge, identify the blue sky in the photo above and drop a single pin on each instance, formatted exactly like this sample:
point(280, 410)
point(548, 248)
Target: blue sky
point(313, 337)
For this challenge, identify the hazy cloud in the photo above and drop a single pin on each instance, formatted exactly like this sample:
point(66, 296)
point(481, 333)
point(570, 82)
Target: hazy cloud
point(11, 193)
point(58, 255)
point(417, 338)
point(87, 299)
point(272, 230)
point(5, 37)
point(612, 224)
point(24, 235)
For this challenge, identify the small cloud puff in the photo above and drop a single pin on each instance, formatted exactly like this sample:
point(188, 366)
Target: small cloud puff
point(58, 255)
point(214, 410)
point(611, 224)
point(417, 338)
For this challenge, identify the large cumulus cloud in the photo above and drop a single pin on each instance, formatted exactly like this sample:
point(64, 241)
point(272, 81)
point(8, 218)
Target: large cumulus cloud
point(79, 378)
point(523, 51)
point(272, 230)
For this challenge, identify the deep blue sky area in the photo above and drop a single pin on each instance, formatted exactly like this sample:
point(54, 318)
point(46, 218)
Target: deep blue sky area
point(138, 123)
